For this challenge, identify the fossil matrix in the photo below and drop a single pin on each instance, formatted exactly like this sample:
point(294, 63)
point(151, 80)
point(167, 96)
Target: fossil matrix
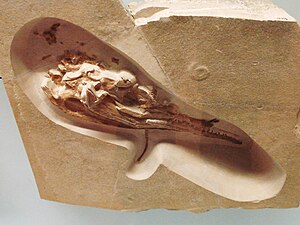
point(134, 99)
point(98, 91)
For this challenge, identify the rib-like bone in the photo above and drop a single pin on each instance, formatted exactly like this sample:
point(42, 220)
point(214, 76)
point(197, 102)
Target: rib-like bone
point(82, 85)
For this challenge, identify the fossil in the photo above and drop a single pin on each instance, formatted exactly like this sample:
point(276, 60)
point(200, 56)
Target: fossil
point(96, 90)
point(85, 87)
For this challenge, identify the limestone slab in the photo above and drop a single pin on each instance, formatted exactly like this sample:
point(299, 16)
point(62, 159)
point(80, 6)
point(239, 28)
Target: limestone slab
point(244, 71)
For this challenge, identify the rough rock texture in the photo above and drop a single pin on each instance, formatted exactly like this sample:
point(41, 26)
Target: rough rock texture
point(243, 71)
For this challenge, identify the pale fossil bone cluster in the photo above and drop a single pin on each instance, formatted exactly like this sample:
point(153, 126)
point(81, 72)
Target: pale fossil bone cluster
point(94, 90)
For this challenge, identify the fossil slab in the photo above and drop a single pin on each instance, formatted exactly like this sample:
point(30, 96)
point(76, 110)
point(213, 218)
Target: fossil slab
point(84, 163)
point(100, 92)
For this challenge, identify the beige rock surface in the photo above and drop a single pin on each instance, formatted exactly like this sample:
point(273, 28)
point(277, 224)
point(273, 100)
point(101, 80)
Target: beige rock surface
point(257, 61)
point(243, 70)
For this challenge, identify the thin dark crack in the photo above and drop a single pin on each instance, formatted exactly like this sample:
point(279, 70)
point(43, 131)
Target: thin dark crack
point(146, 145)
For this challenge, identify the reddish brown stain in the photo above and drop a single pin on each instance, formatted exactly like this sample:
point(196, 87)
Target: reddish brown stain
point(50, 34)
point(115, 60)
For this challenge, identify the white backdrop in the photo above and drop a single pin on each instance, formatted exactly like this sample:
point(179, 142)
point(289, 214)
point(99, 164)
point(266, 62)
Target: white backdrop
point(20, 203)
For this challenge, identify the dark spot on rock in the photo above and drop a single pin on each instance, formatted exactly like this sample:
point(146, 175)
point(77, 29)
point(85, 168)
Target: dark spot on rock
point(55, 26)
point(50, 34)
point(115, 60)
point(46, 57)
point(80, 43)
point(98, 86)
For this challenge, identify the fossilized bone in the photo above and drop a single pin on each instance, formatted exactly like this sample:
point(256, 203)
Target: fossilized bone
point(82, 86)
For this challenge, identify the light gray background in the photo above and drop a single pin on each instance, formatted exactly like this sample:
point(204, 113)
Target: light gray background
point(20, 203)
